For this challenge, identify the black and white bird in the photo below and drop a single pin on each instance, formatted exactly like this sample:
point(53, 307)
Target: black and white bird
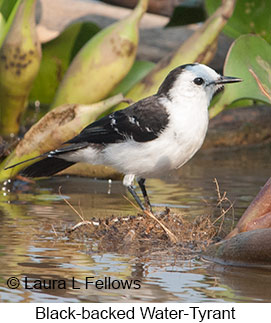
point(153, 135)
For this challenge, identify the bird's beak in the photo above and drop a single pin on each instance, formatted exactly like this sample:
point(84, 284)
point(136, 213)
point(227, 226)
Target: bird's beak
point(226, 79)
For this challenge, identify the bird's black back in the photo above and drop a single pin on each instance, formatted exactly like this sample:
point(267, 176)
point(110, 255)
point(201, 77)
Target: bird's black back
point(142, 122)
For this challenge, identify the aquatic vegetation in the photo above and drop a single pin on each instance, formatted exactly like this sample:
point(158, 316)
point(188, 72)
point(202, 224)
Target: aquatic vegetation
point(81, 71)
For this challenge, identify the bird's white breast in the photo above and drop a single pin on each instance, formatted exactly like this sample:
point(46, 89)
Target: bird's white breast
point(180, 140)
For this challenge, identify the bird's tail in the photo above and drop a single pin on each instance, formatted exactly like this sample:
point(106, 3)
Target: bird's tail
point(24, 161)
point(46, 167)
point(49, 165)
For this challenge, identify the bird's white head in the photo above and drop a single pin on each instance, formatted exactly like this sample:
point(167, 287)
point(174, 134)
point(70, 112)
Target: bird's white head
point(194, 81)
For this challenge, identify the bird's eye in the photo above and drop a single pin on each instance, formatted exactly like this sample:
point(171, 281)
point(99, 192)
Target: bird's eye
point(198, 81)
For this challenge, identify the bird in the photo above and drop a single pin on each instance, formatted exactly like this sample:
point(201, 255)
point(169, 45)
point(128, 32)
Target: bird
point(152, 136)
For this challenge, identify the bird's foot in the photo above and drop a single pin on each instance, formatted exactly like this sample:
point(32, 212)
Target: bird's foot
point(147, 205)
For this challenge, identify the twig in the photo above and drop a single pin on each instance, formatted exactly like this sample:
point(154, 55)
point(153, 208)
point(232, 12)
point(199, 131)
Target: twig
point(67, 202)
point(260, 85)
point(54, 230)
point(78, 225)
point(83, 222)
point(171, 236)
point(220, 200)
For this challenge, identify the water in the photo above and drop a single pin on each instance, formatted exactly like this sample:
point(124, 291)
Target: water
point(33, 245)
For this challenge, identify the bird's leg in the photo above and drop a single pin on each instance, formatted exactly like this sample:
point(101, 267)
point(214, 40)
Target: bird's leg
point(141, 183)
point(136, 197)
point(128, 182)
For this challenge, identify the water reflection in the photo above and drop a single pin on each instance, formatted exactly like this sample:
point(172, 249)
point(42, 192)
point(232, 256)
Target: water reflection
point(33, 244)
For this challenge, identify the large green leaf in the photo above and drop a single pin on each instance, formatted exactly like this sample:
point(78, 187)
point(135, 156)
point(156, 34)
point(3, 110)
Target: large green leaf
point(250, 59)
point(57, 55)
point(250, 16)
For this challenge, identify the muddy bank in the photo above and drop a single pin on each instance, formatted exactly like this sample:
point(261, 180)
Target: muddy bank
point(249, 126)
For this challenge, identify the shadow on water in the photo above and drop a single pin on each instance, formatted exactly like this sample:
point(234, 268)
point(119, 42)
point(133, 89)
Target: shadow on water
point(33, 218)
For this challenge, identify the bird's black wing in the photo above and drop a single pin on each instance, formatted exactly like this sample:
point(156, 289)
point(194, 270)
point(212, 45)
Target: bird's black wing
point(142, 122)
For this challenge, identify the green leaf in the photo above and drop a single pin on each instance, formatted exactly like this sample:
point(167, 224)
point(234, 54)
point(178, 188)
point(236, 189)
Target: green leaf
point(139, 70)
point(250, 59)
point(57, 55)
point(19, 65)
point(250, 16)
point(188, 12)
point(6, 7)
